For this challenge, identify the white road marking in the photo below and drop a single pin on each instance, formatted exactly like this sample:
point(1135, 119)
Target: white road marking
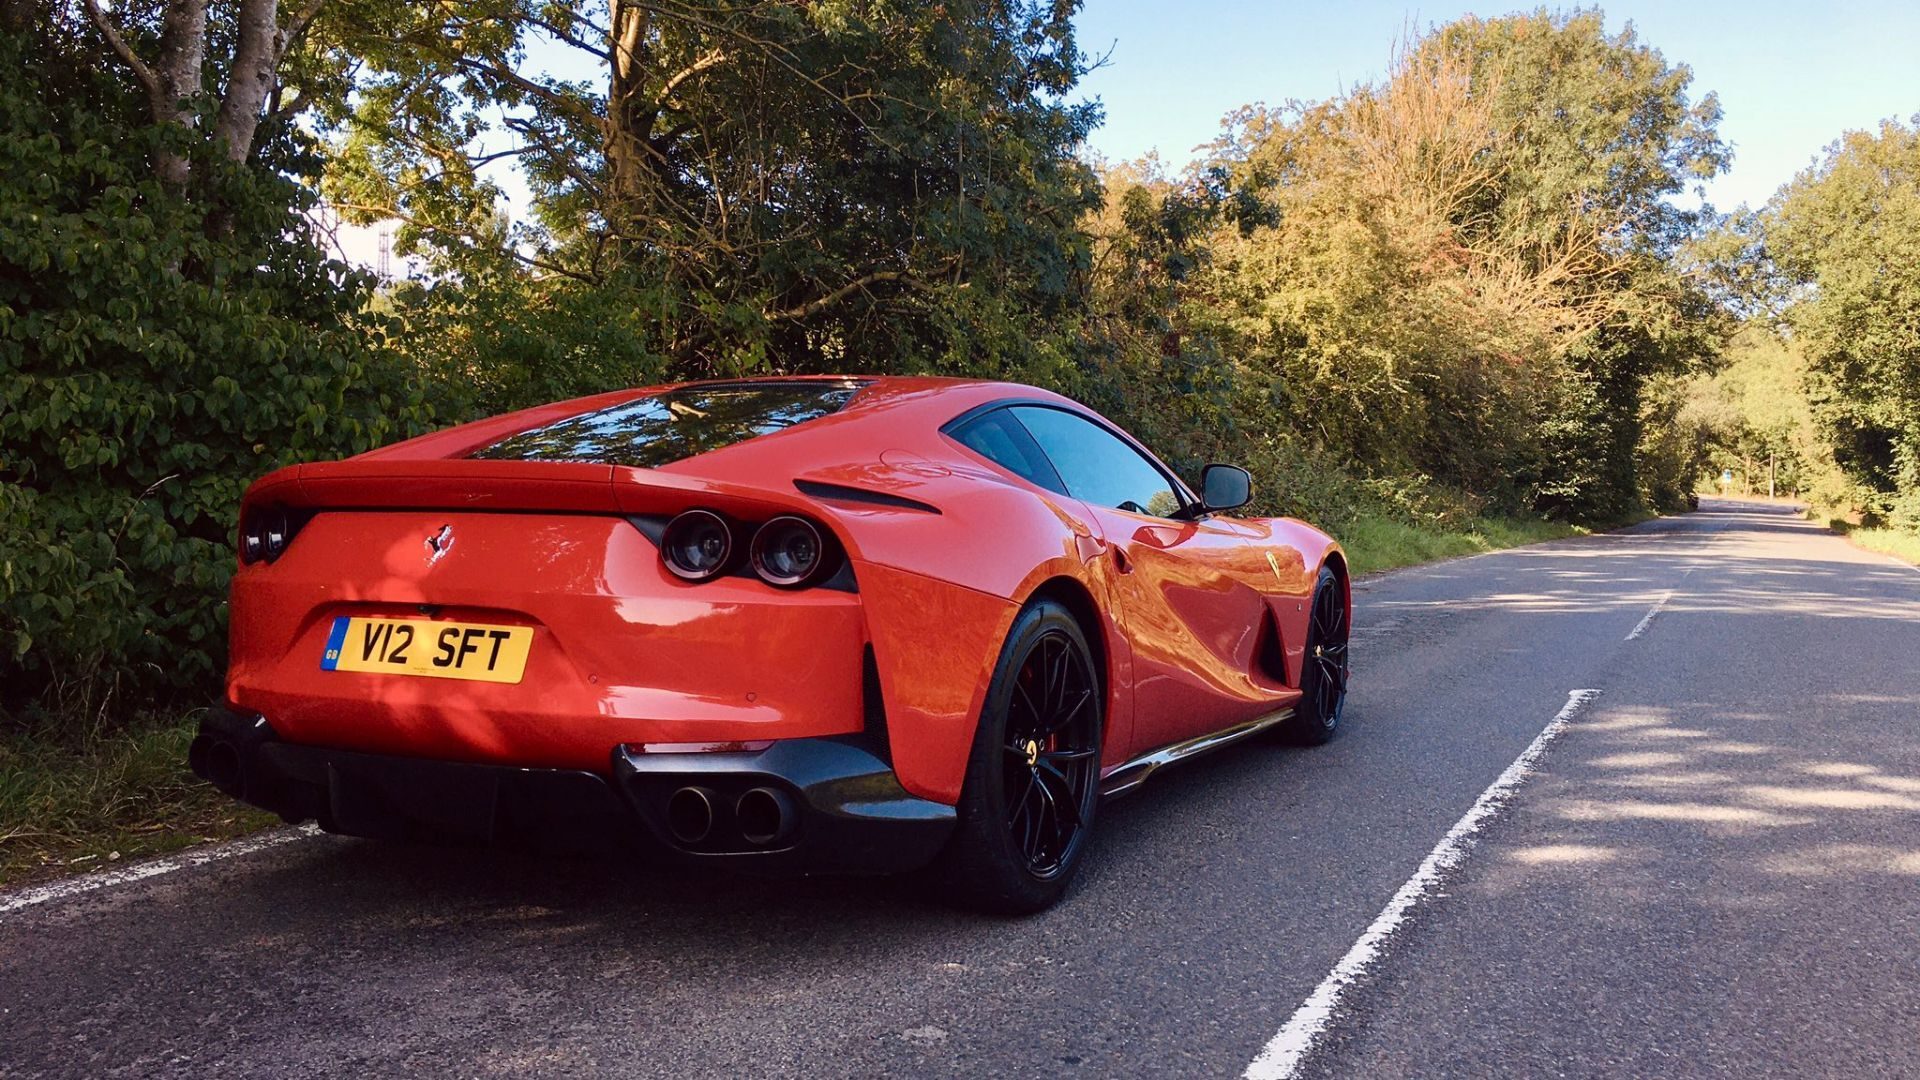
point(1658, 604)
point(1897, 560)
point(70, 887)
point(1290, 1046)
point(1651, 612)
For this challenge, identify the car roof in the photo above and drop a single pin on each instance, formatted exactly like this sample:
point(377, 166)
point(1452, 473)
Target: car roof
point(879, 389)
point(911, 403)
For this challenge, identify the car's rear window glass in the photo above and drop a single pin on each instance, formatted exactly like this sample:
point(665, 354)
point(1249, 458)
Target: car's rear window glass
point(676, 424)
point(999, 438)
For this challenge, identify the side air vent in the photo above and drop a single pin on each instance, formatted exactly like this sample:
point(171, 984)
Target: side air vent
point(842, 493)
point(1270, 654)
point(875, 707)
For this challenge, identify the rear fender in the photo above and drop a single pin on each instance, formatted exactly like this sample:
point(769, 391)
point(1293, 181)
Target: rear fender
point(935, 646)
point(941, 587)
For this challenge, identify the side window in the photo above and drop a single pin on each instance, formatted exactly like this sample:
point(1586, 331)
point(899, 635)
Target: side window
point(999, 438)
point(1096, 465)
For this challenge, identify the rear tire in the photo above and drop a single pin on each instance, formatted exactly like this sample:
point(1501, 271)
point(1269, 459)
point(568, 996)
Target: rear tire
point(1325, 666)
point(1033, 777)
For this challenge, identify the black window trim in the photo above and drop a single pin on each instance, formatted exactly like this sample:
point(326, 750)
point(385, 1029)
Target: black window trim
point(1190, 506)
point(952, 429)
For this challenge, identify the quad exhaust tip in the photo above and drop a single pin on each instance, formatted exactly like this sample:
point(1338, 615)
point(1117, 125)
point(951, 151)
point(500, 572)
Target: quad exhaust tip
point(766, 816)
point(690, 814)
point(217, 762)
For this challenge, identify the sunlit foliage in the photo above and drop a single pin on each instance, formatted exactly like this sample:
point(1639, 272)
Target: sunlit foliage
point(1844, 240)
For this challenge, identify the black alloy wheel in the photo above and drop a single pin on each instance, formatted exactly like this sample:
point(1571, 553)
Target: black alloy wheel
point(1033, 779)
point(1051, 758)
point(1325, 667)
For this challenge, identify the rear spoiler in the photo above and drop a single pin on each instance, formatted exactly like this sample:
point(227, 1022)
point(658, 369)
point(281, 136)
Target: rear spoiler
point(509, 487)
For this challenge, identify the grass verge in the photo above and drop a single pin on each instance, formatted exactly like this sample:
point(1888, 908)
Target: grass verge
point(73, 804)
point(1378, 543)
point(1898, 543)
point(69, 805)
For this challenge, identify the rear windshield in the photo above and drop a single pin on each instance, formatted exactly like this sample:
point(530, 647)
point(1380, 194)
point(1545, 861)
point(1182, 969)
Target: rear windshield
point(676, 424)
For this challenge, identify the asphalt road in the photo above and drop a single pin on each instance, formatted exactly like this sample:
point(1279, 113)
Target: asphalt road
point(1715, 870)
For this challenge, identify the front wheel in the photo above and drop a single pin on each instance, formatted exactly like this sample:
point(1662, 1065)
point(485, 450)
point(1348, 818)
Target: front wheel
point(1033, 777)
point(1324, 669)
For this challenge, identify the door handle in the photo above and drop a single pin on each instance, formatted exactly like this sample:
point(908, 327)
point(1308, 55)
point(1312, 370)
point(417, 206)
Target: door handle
point(1121, 561)
point(1088, 547)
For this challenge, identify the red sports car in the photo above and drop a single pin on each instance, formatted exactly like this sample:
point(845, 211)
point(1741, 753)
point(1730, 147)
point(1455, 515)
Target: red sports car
point(799, 624)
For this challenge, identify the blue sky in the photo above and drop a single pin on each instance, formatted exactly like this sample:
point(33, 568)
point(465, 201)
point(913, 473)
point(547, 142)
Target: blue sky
point(1791, 76)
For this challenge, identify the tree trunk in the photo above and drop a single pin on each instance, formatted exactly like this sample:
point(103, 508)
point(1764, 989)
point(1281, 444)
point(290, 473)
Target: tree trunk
point(174, 79)
point(183, 52)
point(626, 101)
point(255, 58)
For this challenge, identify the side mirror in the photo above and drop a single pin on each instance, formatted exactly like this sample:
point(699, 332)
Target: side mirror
point(1225, 487)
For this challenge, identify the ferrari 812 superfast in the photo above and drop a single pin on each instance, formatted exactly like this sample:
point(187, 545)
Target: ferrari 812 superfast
point(792, 625)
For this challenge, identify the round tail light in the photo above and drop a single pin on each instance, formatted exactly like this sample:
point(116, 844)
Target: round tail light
point(253, 544)
point(789, 552)
point(277, 533)
point(697, 545)
point(264, 534)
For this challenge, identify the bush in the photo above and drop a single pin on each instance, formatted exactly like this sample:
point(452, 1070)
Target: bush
point(159, 350)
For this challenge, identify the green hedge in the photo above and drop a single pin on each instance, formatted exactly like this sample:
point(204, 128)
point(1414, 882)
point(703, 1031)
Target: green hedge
point(159, 350)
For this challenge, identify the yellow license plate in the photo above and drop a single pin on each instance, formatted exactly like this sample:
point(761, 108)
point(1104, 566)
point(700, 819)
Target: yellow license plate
point(441, 650)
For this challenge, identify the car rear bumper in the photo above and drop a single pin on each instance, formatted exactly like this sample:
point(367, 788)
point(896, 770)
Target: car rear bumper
point(819, 805)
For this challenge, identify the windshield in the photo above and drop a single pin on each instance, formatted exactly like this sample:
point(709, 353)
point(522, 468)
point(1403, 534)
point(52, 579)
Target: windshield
point(676, 424)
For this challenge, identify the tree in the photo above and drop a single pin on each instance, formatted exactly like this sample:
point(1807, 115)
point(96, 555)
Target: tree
point(1845, 237)
point(1601, 132)
point(152, 365)
point(1464, 271)
point(1753, 411)
point(1350, 297)
point(178, 73)
point(770, 184)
